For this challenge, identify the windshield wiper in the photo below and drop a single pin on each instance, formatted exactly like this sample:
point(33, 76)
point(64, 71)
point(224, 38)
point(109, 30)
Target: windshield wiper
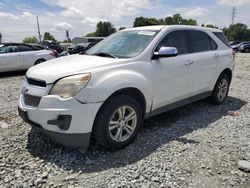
point(103, 54)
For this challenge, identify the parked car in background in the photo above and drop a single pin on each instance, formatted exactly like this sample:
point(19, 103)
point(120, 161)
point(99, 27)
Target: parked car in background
point(130, 76)
point(17, 56)
point(76, 49)
point(237, 47)
point(245, 48)
point(52, 45)
point(233, 43)
point(81, 48)
point(41, 47)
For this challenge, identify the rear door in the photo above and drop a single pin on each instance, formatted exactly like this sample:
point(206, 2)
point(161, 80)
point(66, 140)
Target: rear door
point(10, 58)
point(29, 55)
point(202, 51)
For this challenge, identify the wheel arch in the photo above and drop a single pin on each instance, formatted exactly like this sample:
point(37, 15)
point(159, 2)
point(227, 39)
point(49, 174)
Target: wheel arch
point(228, 72)
point(132, 92)
point(40, 59)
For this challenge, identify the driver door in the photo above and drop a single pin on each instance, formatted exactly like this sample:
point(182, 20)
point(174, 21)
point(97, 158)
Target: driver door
point(172, 76)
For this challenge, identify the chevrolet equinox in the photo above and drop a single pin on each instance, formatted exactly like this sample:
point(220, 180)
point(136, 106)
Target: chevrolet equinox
point(130, 76)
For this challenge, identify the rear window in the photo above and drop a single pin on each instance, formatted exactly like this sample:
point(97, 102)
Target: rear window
point(200, 42)
point(222, 37)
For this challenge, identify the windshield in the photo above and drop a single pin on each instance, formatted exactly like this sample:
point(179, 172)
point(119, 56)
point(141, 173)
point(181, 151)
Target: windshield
point(126, 44)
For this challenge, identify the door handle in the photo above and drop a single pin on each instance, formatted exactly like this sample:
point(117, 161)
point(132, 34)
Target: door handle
point(189, 62)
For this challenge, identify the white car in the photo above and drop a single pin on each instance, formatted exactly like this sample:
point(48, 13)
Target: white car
point(130, 76)
point(15, 56)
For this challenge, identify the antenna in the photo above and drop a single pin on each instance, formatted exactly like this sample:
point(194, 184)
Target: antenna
point(38, 28)
point(233, 15)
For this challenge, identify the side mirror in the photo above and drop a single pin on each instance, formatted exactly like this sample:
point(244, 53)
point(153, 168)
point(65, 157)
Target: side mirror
point(166, 52)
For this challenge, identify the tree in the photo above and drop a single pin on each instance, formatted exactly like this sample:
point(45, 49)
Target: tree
point(48, 36)
point(104, 29)
point(209, 25)
point(30, 40)
point(93, 34)
point(176, 19)
point(237, 32)
point(1, 36)
point(141, 21)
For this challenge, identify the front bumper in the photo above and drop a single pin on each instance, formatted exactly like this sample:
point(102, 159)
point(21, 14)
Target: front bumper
point(68, 140)
point(67, 121)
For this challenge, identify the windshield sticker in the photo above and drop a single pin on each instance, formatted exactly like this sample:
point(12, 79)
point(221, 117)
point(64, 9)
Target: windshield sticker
point(148, 33)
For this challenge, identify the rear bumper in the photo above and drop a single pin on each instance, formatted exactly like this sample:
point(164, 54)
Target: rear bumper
point(73, 140)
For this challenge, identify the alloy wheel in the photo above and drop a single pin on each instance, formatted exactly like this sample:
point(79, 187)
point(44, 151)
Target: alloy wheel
point(223, 89)
point(122, 124)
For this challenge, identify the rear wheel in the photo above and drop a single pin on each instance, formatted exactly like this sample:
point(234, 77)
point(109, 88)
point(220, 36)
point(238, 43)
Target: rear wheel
point(247, 50)
point(221, 90)
point(118, 122)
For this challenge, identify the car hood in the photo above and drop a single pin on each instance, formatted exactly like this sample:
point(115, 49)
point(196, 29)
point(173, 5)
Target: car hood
point(55, 69)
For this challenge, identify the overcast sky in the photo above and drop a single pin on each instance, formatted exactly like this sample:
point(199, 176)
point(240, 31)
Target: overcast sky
point(18, 17)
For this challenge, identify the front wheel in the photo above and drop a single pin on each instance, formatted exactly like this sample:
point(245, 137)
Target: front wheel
point(118, 122)
point(221, 90)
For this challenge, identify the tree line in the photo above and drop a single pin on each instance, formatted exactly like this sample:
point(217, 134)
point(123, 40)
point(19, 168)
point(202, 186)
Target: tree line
point(236, 32)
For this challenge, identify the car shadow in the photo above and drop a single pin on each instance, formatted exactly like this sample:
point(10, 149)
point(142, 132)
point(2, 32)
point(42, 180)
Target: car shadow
point(156, 133)
point(12, 74)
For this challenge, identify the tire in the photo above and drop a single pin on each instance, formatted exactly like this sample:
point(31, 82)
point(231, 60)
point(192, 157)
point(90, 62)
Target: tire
point(114, 135)
point(221, 89)
point(247, 50)
point(39, 61)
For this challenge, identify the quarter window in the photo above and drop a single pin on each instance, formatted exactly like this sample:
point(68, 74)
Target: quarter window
point(200, 42)
point(175, 39)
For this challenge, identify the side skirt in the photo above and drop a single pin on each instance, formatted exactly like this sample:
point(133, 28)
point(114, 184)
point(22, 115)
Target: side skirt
point(179, 104)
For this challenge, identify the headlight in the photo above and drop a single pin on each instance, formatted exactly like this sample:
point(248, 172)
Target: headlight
point(70, 86)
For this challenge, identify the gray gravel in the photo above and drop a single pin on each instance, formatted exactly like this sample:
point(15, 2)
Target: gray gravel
point(198, 145)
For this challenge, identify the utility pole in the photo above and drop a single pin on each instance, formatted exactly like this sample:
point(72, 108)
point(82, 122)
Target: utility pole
point(38, 27)
point(233, 15)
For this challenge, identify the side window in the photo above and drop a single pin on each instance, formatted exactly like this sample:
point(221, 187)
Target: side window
point(175, 39)
point(12, 49)
point(24, 48)
point(3, 49)
point(223, 38)
point(200, 42)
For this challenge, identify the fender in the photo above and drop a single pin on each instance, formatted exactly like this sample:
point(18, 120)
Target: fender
point(97, 91)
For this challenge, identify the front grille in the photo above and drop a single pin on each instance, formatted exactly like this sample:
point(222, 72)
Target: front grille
point(34, 82)
point(31, 100)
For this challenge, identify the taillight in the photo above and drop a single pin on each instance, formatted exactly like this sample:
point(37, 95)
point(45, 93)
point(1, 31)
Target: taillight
point(53, 53)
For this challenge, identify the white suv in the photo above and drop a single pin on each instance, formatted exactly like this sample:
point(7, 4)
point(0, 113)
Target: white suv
point(131, 75)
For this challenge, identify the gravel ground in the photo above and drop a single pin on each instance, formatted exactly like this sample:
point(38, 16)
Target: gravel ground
point(198, 145)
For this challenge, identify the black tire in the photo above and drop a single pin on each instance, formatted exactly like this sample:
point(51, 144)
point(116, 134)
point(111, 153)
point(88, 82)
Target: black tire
point(247, 50)
point(39, 61)
point(216, 98)
point(101, 129)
